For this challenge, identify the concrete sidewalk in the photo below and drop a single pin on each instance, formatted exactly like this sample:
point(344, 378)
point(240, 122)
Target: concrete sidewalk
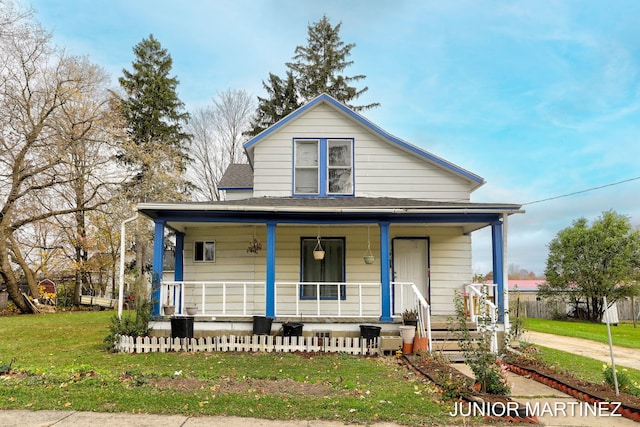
point(21, 418)
point(551, 403)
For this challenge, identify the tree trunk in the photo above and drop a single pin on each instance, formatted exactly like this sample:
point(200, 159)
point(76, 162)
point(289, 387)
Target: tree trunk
point(10, 279)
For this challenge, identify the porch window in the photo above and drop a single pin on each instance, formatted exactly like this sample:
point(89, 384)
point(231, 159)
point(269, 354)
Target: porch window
point(204, 251)
point(330, 269)
point(323, 167)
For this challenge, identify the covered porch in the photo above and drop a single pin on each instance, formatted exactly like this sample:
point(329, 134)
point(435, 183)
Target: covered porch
point(420, 250)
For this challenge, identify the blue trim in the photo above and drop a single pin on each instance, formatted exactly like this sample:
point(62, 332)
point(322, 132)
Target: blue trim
point(498, 265)
point(235, 188)
point(323, 185)
point(179, 267)
point(360, 119)
point(270, 291)
point(156, 269)
point(385, 277)
point(323, 167)
point(241, 216)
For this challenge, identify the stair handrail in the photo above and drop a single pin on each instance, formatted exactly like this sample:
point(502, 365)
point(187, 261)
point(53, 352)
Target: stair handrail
point(424, 316)
point(485, 306)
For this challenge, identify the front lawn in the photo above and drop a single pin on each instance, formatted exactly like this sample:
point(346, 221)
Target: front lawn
point(60, 364)
point(624, 335)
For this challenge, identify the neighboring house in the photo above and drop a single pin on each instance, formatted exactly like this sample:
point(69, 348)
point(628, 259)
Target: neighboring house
point(387, 215)
point(525, 289)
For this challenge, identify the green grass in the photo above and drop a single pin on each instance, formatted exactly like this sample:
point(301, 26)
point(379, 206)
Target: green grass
point(60, 364)
point(580, 366)
point(624, 335)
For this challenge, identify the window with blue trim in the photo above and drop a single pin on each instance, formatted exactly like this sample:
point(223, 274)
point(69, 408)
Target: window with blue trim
point(323, 167)
point(325, 275)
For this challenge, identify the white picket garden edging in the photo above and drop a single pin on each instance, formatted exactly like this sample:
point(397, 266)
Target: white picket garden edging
point(255, 343)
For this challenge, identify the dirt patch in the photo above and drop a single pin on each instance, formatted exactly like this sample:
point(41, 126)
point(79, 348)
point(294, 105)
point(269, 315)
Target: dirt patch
point(281, 387)
point(178, 384)
point(250, 385)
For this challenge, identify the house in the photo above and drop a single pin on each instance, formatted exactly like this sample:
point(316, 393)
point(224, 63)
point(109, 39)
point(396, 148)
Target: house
point(334, 222)
point(525, 289)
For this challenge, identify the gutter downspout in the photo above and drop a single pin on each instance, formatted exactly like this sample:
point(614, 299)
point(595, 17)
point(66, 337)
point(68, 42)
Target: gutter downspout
point(122, 253)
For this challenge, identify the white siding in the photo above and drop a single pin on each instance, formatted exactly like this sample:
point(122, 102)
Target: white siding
point(450, 258)
point(381, 169)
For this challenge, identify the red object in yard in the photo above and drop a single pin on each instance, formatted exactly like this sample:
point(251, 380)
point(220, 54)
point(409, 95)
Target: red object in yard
point(407, 348)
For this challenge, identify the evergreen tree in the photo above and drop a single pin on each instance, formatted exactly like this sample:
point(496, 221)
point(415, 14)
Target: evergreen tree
point(316, 69)
point(282, 99)
point(154, 119)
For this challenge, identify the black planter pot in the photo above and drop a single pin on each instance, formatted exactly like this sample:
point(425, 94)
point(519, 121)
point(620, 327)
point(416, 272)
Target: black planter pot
point(262, 325)
point(181, 327)
point(369, 331)
point(292, 329)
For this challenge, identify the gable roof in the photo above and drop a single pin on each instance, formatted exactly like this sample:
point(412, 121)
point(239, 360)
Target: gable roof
point(476, 180)
point(238, 176)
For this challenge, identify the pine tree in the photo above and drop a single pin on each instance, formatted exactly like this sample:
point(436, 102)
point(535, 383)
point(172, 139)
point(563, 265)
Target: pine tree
point(282, 99)
point(154, 120)
point(316, 69)
point(156, 147)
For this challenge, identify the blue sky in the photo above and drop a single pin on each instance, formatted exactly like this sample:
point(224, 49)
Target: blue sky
point(540, 98)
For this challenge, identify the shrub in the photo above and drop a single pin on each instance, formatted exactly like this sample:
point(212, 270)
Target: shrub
point(625, 383)
point(489, 372)
point(129, 325)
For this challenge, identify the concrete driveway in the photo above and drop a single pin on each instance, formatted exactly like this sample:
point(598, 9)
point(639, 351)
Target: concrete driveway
point(627, 357)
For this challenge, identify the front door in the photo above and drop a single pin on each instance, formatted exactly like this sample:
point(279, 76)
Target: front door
point(411, 264)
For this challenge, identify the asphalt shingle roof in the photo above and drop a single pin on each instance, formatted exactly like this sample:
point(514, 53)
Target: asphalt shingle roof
point(237, 175)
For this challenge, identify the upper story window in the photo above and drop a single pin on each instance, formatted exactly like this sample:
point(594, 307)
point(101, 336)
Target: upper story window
point(323, 167)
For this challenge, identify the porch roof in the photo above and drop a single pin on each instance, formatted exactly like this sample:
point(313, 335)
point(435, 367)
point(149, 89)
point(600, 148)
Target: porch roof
point(471, 216)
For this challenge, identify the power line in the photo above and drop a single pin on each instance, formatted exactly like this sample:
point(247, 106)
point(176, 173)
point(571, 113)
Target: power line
point(583, 191)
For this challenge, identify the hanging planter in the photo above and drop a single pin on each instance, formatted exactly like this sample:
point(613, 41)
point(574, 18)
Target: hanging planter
point(318, 252)
point(368, 255)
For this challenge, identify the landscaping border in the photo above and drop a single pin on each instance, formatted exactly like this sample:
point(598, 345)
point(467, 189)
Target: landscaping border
point(623, 409)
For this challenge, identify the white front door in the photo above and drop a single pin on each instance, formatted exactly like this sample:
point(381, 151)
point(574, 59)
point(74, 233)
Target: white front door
point(411, 263)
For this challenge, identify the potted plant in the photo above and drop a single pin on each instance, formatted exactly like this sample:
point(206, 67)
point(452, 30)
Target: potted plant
point(192, 310)
point(318, 251)
point(410, 317)
point(168, 309)
point(254, 245)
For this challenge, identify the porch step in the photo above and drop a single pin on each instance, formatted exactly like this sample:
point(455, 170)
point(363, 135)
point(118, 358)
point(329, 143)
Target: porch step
point(445, 339)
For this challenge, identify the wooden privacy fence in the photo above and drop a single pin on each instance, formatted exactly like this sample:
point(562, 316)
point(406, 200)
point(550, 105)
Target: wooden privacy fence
point(262, 343)
point(546, 310)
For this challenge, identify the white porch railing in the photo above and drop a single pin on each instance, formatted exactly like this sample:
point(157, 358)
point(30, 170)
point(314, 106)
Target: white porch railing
point(239, 299)
point(482, 310)
point(408, 296)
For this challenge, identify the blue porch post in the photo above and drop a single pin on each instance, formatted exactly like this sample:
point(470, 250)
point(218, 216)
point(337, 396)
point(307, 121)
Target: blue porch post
point(385, 273)
point(270, 291)
point(498, 265)
point(156, 269)
point(179, 268)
